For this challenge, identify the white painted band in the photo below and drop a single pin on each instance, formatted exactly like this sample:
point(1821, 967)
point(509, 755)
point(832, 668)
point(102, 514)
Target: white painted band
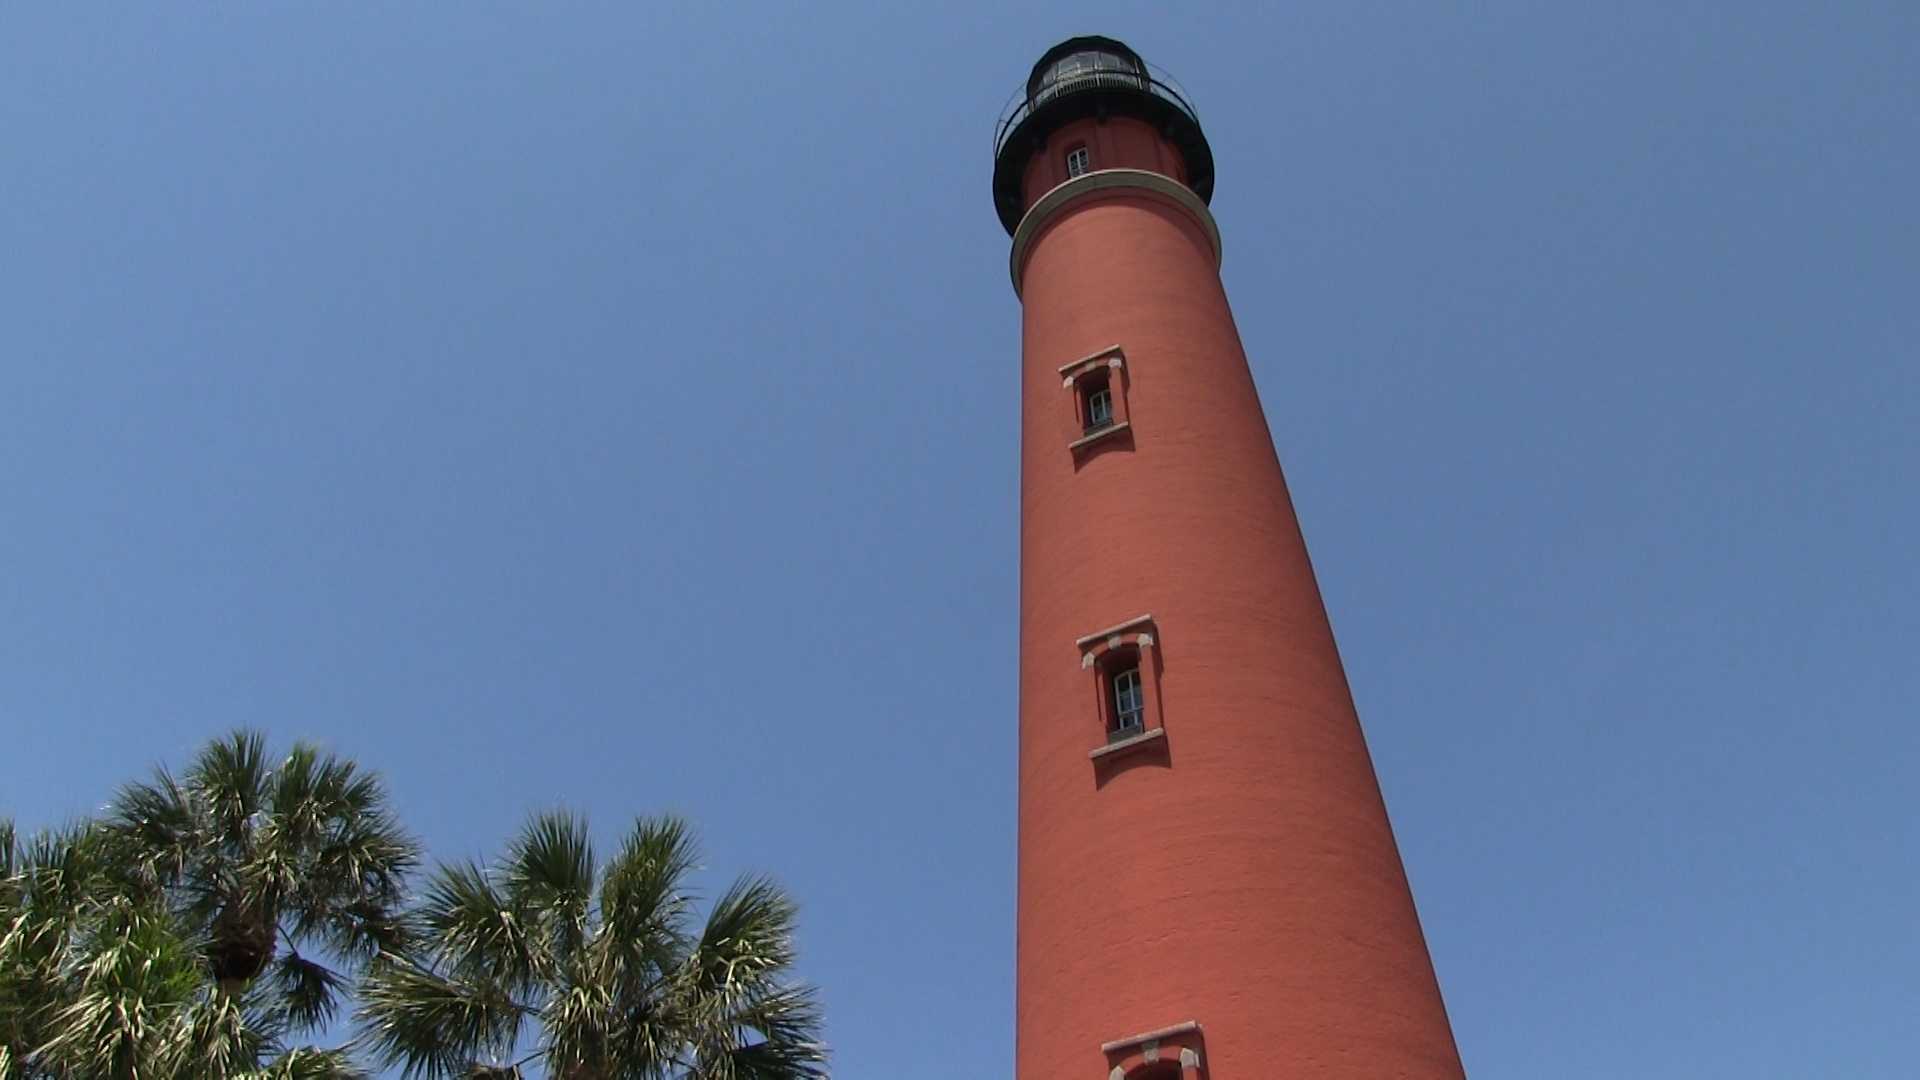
point(1053, 202)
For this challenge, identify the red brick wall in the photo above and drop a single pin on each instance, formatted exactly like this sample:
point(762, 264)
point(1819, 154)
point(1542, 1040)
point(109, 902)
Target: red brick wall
point(1120, 142)
point(1241, 873)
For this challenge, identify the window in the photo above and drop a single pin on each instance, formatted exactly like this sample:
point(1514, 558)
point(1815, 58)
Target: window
point(1079, 162)
point(1097, 405)
point(1099, 408)
point(1124, 662)
point(1129, 703)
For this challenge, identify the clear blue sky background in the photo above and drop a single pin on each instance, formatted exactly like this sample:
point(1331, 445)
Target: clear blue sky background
point(616, 407)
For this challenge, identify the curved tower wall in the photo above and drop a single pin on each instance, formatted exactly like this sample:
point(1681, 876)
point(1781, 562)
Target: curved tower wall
point(1214, 893)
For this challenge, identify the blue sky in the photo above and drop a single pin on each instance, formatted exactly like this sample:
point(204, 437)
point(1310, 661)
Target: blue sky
point(615, 407)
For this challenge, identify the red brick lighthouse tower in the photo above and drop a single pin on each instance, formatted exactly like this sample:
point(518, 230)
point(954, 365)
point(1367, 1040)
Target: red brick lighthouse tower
point(1209, 889)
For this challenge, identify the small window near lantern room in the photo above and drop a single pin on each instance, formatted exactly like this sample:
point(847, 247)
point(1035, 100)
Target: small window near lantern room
point(1079, 162)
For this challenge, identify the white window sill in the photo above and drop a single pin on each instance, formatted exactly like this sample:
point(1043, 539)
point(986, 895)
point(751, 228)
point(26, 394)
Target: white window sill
point(1128, 743)
point(1110, 430)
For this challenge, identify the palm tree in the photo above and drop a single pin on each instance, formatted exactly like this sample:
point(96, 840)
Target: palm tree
point(285, 879)
point(96, 982)
point(608, 967)
point(48, 884)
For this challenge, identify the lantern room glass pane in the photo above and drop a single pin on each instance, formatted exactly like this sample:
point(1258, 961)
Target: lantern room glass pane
point(1094, 67)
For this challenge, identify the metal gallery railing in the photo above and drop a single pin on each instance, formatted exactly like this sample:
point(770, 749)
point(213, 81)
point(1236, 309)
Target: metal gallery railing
point(1153, 81)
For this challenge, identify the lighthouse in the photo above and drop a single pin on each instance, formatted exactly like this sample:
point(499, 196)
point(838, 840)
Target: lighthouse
point(1208, 884)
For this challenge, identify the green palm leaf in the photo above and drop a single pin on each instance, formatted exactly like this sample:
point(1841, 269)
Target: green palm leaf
point(306, 1064)
point(431, 1025)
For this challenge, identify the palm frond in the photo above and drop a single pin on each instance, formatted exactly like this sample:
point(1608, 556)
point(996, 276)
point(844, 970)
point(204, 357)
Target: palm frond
point(366, 853)
point(312, 790)
point(429, 1025)
point(157, 828)
point(358, 791)
point(291, 803)
point(777, 1034)
point(746, 1023)
point(765, 1061)
point(644, 899)
point(215, 1038)
point(308, 992)
point(57, 870)
point(307, 1063)
point(59, 876)
point(549, 878)
point(360, 930)
point(470, 925)
point(36, 926)
point(748, 936)
point(231, 777)
point(126, 1013)
point(352, 884)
